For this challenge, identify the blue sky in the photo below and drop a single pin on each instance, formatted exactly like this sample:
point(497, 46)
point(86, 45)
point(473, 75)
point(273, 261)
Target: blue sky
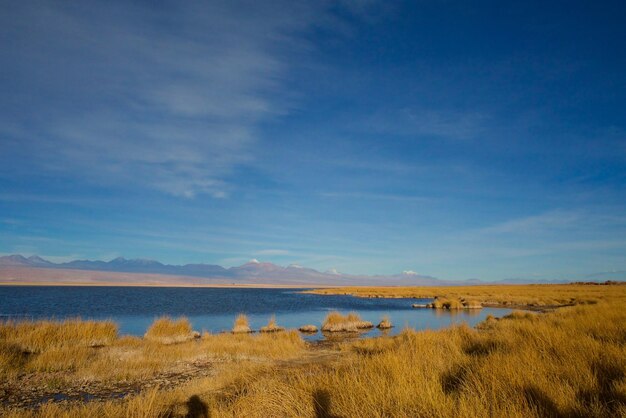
point(459, 140)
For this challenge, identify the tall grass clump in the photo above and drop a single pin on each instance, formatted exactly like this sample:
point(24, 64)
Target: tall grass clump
point(308, 329)
point(39, 336)
point(241, 325)
point(272, 326)
point(385, 323)
point(336, 322)
point(166, 330)
point(446, 303)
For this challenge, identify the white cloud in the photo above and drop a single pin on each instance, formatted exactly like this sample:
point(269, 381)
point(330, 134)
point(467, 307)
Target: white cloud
point(551, 220)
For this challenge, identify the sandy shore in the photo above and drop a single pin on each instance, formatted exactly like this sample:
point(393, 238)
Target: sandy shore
point(31, 276)
point(118, 284)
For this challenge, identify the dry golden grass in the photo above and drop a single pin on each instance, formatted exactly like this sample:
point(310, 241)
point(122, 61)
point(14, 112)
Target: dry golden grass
point(570, 362)
point(280, 345)
point(310, 328)
point(242, 325)
point(127, 358)
point(441, 302)
point(169, 331)
point(566, 363)
point(272, 326)
point(502, 295)
point(35, 337)
point(385, 323)
point(336, 322)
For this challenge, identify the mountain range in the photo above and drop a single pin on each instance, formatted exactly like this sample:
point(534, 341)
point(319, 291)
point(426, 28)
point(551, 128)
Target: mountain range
point(251, 272)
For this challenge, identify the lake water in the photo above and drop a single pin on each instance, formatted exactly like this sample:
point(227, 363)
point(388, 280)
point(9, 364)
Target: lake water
point(214, 309)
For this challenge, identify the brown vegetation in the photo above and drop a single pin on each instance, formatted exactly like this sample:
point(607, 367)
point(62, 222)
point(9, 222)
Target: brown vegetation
point(567, 362)
point(40, 336)
point(308, 328)
point(385, 323)
point(450, 304)
point(272, 326)
point(168, 331)
point(540, 296)
point(336, 322)
point(242, 326)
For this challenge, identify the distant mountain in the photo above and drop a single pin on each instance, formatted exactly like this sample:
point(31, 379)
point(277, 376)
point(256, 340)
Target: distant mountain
point(255, 271)
point(139, 265)
point(252, 272)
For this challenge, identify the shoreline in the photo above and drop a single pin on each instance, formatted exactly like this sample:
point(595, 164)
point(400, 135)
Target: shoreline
point(148, 284)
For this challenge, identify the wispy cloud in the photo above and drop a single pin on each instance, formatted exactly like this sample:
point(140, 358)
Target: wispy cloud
point(551, 220)
point(165, 98)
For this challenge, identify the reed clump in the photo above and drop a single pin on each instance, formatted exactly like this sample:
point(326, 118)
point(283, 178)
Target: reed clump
point(272, 326)
point(336, 322)
point(241, 326)
point(385, 323)
point(450, 304)
point(472, 304)
point(166, 330)
point(310, 328)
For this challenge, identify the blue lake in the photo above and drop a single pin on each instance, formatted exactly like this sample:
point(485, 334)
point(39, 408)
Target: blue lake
point(214, 309)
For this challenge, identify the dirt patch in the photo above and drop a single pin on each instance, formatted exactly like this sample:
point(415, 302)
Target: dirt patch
point(31, 390)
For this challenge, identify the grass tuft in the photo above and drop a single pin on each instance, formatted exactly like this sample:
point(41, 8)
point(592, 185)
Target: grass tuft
point(272, 326)
point(242, 325)
point(308, 328)
point(336, 322)
point(385, 323)
point(166, 330)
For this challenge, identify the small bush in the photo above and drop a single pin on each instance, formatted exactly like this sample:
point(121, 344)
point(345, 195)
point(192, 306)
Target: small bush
point(385, 323)
point(335, 322)
point(472, 304)
point(242, 325)
point(168, 331)
point(272, 326)
point(308, 328)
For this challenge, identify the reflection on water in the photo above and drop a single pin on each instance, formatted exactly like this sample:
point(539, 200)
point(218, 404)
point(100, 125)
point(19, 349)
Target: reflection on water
point(468, 313)
point(214, 310)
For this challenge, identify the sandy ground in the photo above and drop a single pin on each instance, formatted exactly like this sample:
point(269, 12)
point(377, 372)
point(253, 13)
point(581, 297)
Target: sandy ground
point(118, 284)
point(27, 276)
